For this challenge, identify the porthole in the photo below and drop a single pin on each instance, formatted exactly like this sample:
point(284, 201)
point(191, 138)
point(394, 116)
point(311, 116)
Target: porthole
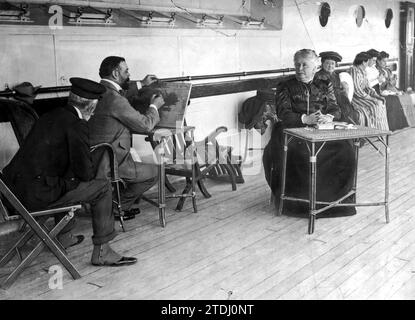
point(388, 17)
point(325, 12)
point(360, 14)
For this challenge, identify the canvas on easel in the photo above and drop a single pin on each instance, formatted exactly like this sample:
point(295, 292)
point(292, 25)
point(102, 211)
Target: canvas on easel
point(176, 97)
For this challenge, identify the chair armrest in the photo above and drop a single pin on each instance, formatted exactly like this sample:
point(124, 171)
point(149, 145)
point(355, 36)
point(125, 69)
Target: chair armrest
point(112, 157)
point(212, 136)
point(56, 210)
point(104, 145)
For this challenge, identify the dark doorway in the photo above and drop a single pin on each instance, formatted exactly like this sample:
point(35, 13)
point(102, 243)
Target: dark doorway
point(406, 39)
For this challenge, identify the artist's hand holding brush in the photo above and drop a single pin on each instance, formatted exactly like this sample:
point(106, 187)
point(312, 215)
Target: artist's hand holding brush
point(157, 100)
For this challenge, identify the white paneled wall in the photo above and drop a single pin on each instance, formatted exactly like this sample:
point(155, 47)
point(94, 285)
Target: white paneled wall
point(209, 55)
point(146, 55)
point(27, 58)
point(81, 56)
point(259, 53)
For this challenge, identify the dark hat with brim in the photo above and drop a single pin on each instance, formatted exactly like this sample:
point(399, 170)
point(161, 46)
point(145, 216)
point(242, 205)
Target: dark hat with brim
point(331, 55)
point(363, 56)
point(383, 55)
point(26, 89)
point(86, 88)
point(373, 53)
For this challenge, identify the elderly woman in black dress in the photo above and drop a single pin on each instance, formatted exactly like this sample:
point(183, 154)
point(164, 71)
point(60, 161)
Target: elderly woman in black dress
point(297, 102)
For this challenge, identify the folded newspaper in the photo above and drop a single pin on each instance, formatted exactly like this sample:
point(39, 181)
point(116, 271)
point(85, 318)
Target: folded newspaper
point(335, 125)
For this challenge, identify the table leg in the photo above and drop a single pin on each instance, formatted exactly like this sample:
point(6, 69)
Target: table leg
point(356, 144)
point(312, 189)
point(194, 161)
point(387, 151)
point(283, 176)
point(161, 190)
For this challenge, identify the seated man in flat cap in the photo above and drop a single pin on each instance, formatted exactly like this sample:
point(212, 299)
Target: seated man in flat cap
point(329, 60)
point(53, 168)
point(115, 120)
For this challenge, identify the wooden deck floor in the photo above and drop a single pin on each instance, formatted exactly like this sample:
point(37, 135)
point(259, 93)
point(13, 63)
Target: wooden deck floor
point(236, 248)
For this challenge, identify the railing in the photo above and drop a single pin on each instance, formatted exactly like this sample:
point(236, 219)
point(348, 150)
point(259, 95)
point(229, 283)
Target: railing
point(209, 89)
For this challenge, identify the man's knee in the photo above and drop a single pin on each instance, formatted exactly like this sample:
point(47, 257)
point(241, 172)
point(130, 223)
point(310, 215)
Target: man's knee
point(104, 185)
point(154, 173)
point(147, 173)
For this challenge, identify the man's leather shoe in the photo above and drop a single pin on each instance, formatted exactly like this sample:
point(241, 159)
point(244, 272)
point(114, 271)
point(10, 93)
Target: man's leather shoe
point(104, 255)
point(68, 240)
point(124, 261)
point(130, 214)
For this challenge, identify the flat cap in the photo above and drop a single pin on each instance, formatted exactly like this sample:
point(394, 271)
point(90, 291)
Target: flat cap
point(331, 55)
point(86, 88)
point(373, 53)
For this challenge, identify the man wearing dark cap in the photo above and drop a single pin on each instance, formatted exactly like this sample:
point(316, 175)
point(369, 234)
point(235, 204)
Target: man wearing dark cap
point(53, 168)
point(115, 120)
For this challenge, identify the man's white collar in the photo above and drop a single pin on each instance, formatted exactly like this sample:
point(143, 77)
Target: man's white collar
point(116, 85)
point(78, 112)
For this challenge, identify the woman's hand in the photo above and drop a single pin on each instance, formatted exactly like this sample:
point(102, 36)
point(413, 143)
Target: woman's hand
point(382, 99)
point(312, 118)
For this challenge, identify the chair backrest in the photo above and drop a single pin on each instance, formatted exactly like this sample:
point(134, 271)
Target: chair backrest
point(8, 223)
point(16, 120)
point(175, 147)
point(345, 77)
point(8, 143)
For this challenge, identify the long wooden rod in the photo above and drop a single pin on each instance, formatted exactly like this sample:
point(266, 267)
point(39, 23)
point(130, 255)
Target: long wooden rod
point(8, 93)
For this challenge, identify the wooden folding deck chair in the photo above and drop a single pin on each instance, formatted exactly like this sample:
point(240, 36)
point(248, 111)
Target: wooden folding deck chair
point(195, 161)
point(36, 226)
point(175, 156)
point(217, 161)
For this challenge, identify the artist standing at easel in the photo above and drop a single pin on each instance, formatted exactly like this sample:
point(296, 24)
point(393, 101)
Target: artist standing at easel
point(303, 101)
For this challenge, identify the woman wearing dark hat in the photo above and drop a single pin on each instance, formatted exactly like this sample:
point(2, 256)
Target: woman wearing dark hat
point(397, 103)
point(389, 79)
point(372, 72)
point(366, 99)
point(329, 60)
